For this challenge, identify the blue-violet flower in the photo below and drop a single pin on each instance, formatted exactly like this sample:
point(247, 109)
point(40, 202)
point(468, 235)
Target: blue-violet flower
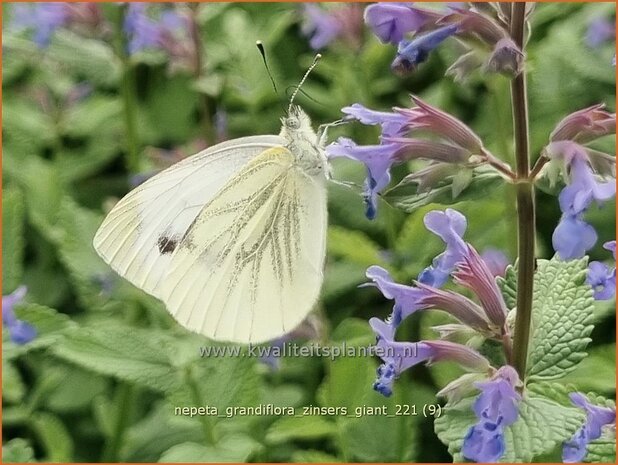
point(450, 226)
point(20, 331)
point(601, 277)
point(496, 408)
point(574, 450)
point(412, 53)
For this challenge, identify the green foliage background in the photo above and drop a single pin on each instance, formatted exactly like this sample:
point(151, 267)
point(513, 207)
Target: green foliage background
point(101, 380)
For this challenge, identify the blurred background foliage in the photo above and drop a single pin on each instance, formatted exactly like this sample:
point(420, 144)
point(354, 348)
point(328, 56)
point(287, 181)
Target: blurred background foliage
point(100, 381)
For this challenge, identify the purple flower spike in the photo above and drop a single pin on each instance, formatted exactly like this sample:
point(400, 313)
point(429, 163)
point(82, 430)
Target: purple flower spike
point(473, 273)
point(597, 417)
point(601, 277)
point(142, 31)
point(600, 30)
point(399, 356)
point(406, 297)
point(391, 21)
point(320, 26)
point(393, 124)
point(611, 246)
point(19, 331)
point(573, 237)
point(496, 408)
point(411, 149)
point(429, 118)
point(42, 18)
point(378, 160)
point(412, 53)
point(496, 261)
point(462, 308)
point(450, 226)
point(583, 188)
point(472, 23)
point(585, 125)
point(506, 58)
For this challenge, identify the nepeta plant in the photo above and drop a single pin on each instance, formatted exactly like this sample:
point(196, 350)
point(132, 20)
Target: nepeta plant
point(520, 333)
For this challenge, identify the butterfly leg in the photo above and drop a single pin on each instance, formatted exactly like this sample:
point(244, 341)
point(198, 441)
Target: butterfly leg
point(323, 131)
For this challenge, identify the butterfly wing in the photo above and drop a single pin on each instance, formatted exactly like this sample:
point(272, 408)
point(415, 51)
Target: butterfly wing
point(139, 235)
point(250, 267)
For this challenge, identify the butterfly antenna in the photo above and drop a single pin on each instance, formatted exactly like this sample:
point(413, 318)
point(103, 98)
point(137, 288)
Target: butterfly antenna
point(260, 46)
point(287, 93)
point(302, 81)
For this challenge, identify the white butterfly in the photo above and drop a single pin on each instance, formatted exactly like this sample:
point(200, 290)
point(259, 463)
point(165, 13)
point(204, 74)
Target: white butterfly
point(233, 238)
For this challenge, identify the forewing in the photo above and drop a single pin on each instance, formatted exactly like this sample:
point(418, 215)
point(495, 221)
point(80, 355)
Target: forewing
point(139, 236)
point(251, 265)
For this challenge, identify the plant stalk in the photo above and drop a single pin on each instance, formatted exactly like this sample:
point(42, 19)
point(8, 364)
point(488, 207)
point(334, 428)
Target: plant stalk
point(525, 202)
point(127, 91)
point(196, 39)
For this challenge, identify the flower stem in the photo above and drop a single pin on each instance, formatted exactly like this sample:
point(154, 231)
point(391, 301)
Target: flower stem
point(525, 202)
point(127, 90)
point(196, 39)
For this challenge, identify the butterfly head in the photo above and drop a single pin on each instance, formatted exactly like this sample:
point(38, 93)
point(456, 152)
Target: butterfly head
point(297, 125)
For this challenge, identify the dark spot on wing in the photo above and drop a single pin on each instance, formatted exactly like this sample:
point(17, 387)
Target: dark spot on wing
point(167, 244)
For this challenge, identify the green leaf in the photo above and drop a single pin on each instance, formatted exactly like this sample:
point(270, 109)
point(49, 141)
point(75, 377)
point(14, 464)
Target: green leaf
point(349, 379)
point(407, 197)
point(93, 59)
point(562, 311)
point(210, 85)
point(300, 428)
point(42, 188)
point(596, 372)
point(232, 381)
point(237, 448)
point(17, 450)
point(543, 424)
point(169, 109)
point(130, 354)
point(313, 456)
point(341, 277)
point(353, 246)
point(13, 388)
point(51, 326)
point(76, 227)
point(77, 390)
point(13, 220)
point(92, 115)
point(413, 250)
point(157, 432)
point(27, 128)
point(76, 164)
point(367, 436)
point(602, 450)
point(56, 440)
point(372, 436)
point(508, 286)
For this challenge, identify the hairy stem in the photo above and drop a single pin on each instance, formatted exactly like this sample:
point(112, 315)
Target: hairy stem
point(127, 90)
point(525, 202)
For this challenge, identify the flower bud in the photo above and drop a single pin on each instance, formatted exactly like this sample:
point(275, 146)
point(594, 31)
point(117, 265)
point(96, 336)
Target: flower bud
point(585, 125)
point(506, 58)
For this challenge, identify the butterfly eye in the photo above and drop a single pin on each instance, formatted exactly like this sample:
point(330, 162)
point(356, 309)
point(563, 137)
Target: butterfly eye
point(292, 123)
